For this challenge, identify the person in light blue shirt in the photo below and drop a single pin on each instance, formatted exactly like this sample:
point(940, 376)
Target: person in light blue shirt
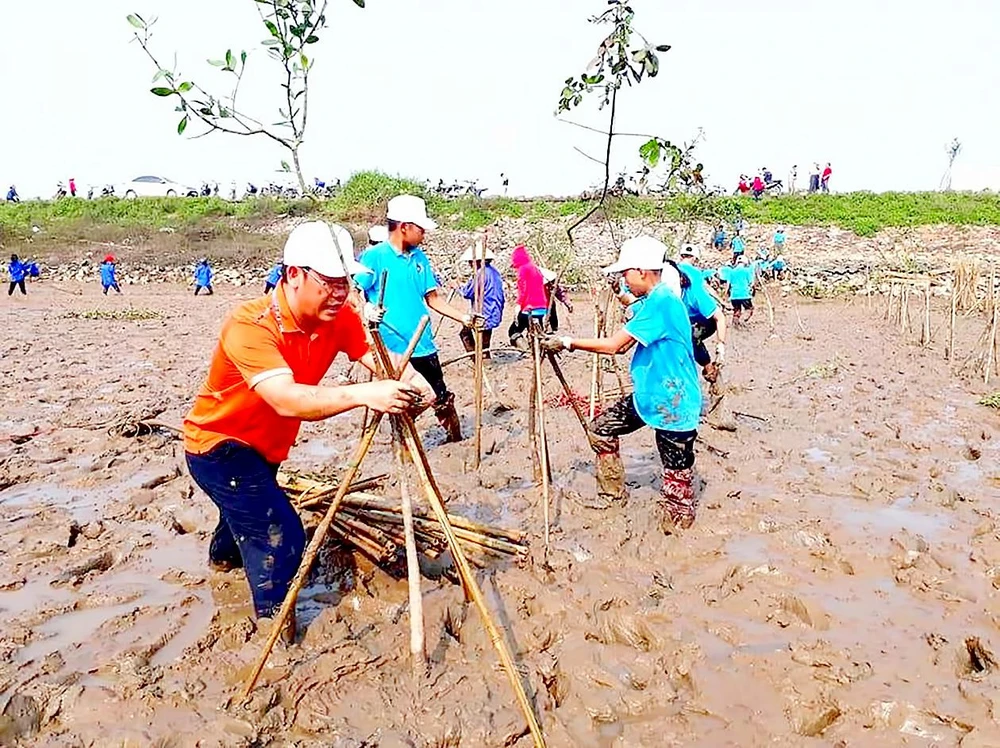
point(667, 394)
point(203, 277)
point(779, 240)
point(741, 279)
point(271, 282)
point(707, 317)
point(739, 246)
point(411, 292)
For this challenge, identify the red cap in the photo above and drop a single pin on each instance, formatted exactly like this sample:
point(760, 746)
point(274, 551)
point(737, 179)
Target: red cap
point(109, 258)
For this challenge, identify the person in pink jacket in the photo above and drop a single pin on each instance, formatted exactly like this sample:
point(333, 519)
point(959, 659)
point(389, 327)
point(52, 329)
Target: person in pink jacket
point(532, 300)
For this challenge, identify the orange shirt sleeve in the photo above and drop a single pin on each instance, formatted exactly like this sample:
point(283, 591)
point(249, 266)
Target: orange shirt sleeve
point(253, 349)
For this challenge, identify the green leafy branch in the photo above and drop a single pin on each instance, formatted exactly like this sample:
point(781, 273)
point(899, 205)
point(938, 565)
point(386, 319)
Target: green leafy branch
point(292, 27)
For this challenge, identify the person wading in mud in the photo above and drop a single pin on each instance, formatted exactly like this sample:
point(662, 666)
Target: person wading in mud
point(666, 395)
point(411, 291)
point(742, 278)
point(263, 381)
point(493, 296)
point(532, 298)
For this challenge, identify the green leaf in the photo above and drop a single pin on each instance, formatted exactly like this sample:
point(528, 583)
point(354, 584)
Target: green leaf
point(182, 125)
point(270, 43)
point(243, 57)
point(360, 3)
point(229, 58)
point(136, 21)
point(207, 111)
point(160, 91)
point(650, 152)
point(312, 39)
point(304, 60)
point(662, 47)
point(217, 63)
point(185, 87)
point(285, 166)
point(273, 29)
point(159, 74)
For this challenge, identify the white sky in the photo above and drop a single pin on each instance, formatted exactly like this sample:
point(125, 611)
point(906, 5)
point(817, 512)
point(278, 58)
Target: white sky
point(467, 88)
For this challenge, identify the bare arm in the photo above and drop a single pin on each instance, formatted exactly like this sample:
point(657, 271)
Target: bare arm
point(620, 342)
point(315, 402)
point(720, 324)
point(438, 304)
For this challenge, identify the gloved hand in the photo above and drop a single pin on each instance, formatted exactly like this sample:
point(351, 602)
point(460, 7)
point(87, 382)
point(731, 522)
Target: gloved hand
point(475, 321)
point(554, 344)
point(720, 353)
point(373, 314)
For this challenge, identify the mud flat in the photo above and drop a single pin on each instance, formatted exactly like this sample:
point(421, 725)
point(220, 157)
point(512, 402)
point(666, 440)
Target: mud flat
point(839, 587)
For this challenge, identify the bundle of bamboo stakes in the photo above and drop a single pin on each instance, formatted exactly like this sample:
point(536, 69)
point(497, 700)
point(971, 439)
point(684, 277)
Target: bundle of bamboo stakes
point(374, 525)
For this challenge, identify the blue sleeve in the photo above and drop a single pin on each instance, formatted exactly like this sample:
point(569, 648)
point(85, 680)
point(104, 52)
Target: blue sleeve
point(467, 290)
point(367, 281)
point(648, 324)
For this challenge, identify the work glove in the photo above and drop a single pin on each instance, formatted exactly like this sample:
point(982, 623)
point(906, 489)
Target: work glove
point(373, 314)
point(554, 343)
point(720, 353)
point(474, 321)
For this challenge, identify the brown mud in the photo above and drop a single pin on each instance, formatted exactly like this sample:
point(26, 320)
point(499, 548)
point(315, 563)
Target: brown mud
point(838, 588)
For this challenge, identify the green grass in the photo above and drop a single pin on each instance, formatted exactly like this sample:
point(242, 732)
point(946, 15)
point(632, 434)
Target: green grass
point(364, 196)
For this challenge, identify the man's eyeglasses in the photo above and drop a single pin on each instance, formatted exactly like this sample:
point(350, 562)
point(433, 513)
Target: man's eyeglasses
point(327, 284)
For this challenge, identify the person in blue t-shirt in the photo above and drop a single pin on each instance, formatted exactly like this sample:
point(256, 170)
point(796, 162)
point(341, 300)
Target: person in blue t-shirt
point(108, 279)
point(271, 282)
point(493, 297)
point(779, 266)
point(17, 270)
point(739, 247)
point(666, 392)
point(411, 293)
point(719, 238)
point(741, 279)
point(203, 277)
point(779, 240)
point(706, 315)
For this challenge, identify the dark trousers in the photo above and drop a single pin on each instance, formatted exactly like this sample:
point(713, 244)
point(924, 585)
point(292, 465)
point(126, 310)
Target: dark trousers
point(676, 448)
point(17, 284)
point(523, 320)
point(429, 367)
point(258, 528)
point(111, 285)
point(700, 332)
point(468, 338)
point(208, 288)
point(268, 287)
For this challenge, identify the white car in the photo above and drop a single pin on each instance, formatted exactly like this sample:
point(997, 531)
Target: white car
point(155, 187)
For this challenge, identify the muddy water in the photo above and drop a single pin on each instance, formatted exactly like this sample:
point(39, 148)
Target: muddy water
point(841, 571)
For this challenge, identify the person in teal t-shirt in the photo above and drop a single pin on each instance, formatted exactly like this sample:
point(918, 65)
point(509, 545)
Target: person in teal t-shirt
point(667, 394)
point(739, 246)
point(411, 292)
point(741, 279)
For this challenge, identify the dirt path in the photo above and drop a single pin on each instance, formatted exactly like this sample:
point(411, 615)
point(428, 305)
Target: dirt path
point(840, 580)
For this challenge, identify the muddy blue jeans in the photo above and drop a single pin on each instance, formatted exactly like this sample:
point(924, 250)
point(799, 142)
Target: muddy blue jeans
point(258, 528)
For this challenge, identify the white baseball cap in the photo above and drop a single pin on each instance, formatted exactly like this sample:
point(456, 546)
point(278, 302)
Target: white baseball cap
point(689, 250)
point(410, 209)
point(639, 253)
point(324, 247)
point(378, 234)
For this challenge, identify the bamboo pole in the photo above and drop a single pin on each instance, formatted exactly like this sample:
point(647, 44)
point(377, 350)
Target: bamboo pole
point(479, 280)
point(595, 361)
point(926, 333)
point(418, 657)
point(536, 360)
point(433, 494)
point(951, 324)
point(577, 408)
point(991, 344)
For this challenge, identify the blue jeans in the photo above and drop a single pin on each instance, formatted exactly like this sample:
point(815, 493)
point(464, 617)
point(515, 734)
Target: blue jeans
point(258, 528)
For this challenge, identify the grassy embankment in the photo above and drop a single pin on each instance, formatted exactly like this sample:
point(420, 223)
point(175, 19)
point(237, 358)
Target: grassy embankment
point(184, 225)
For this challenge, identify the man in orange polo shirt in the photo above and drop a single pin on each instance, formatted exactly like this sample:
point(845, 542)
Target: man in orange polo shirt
point(262, 383)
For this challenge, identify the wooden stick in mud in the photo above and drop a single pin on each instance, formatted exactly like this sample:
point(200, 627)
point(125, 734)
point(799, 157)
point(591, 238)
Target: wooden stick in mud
point(479, 280)
point(536, 360)
point(951, 324)
point(595, 361)
point(577, 408)
point(419, 458)
point(418, 657)
point(471, 354)
point(926, 329)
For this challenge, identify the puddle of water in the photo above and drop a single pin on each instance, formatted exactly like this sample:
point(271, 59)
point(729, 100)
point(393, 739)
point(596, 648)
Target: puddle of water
point(816, 454)
point(81, 503)
point(747, 549)
point(895, 517)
